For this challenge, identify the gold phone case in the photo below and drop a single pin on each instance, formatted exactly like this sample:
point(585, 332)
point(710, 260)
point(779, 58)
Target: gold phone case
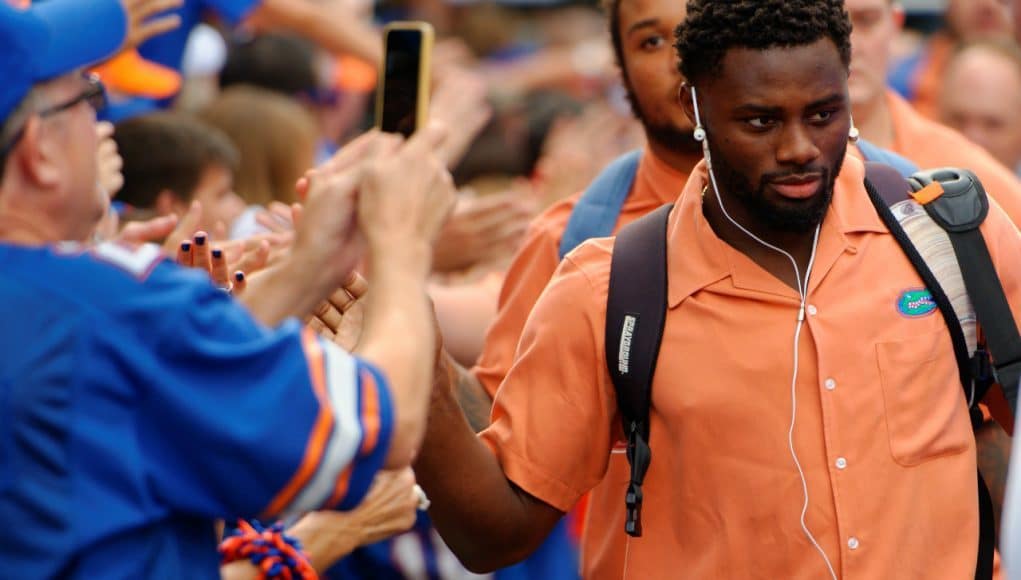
point(424, 71)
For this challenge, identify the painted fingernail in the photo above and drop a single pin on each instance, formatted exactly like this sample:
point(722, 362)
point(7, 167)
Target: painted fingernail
point(217, 253)
point(200, 240)
point(239, 276)
point(186, 246)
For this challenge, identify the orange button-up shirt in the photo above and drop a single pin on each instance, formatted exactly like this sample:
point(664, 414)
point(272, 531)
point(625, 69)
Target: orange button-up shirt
point(882, 428)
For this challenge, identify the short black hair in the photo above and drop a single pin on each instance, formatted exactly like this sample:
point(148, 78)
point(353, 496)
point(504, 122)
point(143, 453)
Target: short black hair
point(713, 27)
point(168, 150)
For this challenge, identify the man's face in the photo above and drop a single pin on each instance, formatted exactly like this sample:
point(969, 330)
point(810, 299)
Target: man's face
point(972, 20)
point(650, 69)
point(215, 191)
point(777, 122)
point(981, 97)
point(70, 135)
point(876, 25)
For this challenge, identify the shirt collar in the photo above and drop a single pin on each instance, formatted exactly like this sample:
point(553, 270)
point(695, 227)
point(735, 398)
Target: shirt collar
point(697, 257)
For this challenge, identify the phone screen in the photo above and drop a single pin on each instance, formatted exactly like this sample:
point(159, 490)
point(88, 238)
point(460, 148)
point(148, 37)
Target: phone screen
point(400, 83)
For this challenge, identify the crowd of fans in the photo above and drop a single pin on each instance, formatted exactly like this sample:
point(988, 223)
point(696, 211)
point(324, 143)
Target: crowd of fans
point(279, 361)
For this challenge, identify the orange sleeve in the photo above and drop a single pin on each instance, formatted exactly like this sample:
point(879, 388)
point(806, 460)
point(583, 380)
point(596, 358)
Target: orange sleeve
point(531, 270)
point(552, 428)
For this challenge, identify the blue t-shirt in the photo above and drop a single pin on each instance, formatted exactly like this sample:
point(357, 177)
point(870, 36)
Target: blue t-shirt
point(138, 403)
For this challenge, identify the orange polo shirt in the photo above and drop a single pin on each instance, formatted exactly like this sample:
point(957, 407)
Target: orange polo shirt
point(656, 183)
point(930, 145)
point(882, 432)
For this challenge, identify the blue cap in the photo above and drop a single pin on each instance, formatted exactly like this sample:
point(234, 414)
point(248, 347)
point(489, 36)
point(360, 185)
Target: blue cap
point(53, 38)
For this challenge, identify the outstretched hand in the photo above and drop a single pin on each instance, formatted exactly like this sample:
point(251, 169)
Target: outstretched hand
point(143, 23)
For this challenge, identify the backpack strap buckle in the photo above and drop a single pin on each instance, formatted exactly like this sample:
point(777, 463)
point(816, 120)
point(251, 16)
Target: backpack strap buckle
point(640, 456)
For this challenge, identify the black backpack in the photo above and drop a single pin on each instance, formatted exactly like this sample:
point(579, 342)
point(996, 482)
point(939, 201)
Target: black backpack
point(637, 305)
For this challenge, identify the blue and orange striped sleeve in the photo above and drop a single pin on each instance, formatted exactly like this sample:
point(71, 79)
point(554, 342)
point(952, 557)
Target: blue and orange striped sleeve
point(349, 438)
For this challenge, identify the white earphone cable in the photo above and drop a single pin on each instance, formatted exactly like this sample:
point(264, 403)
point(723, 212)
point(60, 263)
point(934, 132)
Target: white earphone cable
point(701, 135)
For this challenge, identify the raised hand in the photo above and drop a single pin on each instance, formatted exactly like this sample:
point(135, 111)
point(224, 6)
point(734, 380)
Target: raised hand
point(141, 22)
point(481, 229)
point(341, 317)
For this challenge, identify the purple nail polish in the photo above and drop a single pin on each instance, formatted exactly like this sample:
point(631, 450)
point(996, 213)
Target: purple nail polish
point(239, 276)
point(200, 240)
point(217, 253)
point(186, 246)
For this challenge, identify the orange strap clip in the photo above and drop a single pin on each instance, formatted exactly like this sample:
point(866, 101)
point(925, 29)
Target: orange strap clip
point(928, 193)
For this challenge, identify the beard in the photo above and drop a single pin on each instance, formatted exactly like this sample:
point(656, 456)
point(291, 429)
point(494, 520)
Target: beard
point(788, 217)
point(662, 132)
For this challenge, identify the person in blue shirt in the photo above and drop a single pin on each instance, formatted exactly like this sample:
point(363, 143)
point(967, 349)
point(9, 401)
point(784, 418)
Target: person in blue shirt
point(138, 402)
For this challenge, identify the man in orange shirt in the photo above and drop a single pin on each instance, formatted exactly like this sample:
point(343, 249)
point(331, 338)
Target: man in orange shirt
point(888, 121)
point(784, 445)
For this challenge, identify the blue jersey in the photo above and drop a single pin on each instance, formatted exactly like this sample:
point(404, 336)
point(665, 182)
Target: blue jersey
point(168, 49)
point(138, 403)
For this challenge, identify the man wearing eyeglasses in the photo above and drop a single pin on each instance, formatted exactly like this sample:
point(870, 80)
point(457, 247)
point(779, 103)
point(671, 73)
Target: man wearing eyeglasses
point(138, 402)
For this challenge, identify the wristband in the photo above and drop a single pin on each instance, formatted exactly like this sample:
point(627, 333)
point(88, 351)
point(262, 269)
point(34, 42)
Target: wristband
point(276, 555)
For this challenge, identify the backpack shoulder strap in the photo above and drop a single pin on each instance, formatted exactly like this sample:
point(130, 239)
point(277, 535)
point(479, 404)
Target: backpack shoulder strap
point(958, 203)
point(887, 190)
point(599, 207)
point(636, 307)
point(964, 209)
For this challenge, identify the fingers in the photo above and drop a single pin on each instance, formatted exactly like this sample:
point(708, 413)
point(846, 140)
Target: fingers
point(184, 254)
point(154, 230)
point(186, 226)
point(274, 221)
point(320, 328)
point(256, 259)
point(154, 27)
point(201, 258)
point(354, 151)
point(240, 282)
point(336, 305)
point(218, 270)
point(356, 285)
point(143, 23)
point(430, 138)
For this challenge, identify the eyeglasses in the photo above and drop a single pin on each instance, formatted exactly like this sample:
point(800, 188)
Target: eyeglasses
point(94, 94)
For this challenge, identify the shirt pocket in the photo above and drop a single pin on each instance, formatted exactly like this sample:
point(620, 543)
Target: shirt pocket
point(926, 415)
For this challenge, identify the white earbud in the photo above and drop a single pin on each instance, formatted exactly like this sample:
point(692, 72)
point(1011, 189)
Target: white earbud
point(699, 133)
point(853, 135)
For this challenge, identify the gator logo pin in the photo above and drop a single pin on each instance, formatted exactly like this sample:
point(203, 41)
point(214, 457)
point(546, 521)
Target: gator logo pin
point(916, 303)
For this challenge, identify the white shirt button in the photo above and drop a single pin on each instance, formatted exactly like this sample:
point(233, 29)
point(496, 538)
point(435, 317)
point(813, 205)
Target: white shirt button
point(830, 384)
point(853, 543)
point(812, 310)
point(841, 463)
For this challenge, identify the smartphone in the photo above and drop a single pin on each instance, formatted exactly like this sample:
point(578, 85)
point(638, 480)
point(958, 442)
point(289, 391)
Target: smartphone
point(402, 97)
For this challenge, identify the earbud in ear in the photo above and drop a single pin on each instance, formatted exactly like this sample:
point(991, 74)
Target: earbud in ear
point(699, 133)
point(853, 134)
